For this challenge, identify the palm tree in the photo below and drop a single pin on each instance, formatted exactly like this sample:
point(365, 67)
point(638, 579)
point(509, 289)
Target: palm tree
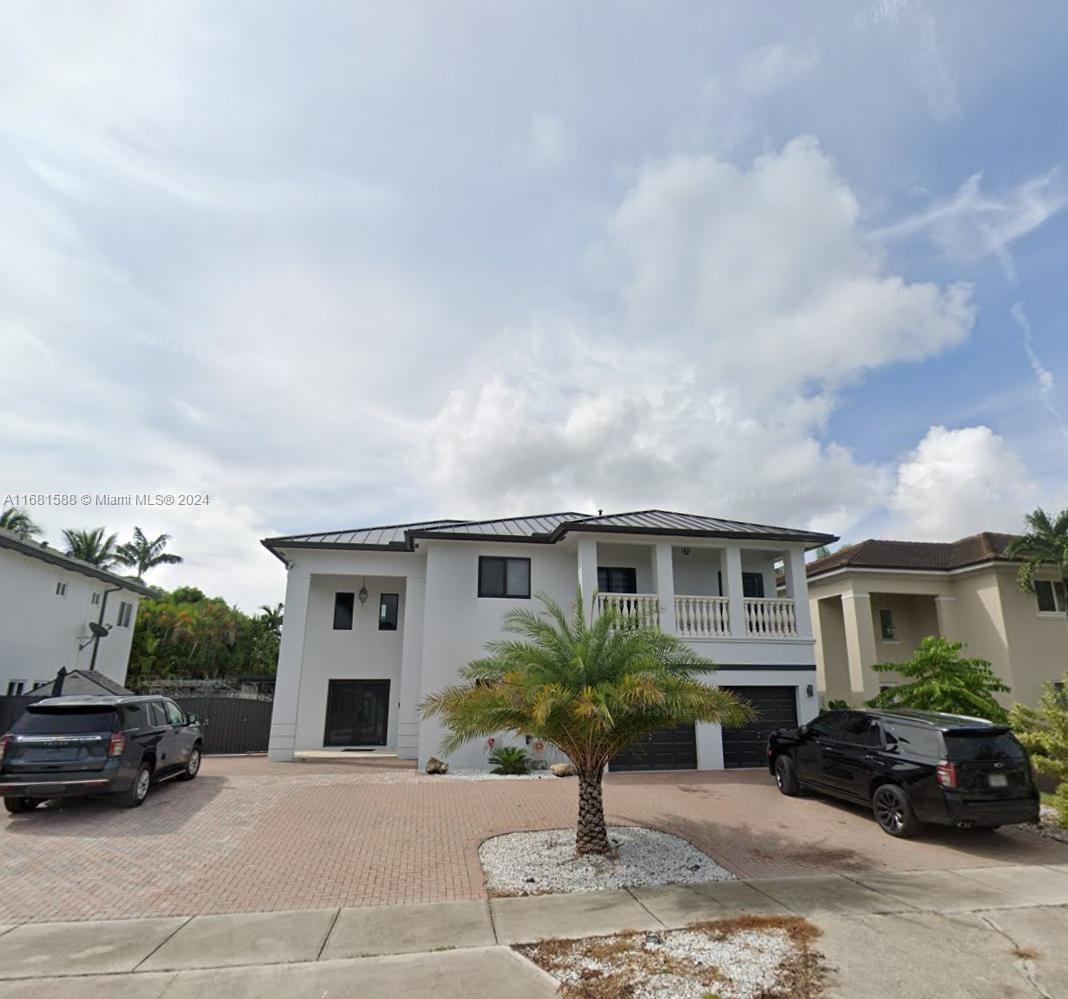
point(1045, 544)
point(91, 546)
point(589, 687)
point(19, 523)
point(143, 554)
point(272, 617)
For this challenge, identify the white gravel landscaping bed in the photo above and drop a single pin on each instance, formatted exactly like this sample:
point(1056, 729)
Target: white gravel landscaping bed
point(752, 958)
point(537, 863)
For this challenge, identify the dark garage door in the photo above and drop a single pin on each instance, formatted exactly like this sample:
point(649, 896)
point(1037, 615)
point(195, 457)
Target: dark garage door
point(665, 749)
point(748, 746)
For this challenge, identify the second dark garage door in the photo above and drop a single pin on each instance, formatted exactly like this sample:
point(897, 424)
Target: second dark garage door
point(748, 746)
point(665, 749)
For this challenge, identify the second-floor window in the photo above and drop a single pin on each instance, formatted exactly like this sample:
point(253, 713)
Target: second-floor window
point(388, 605)
point(125, 613)
point(886, 625)
point(752, 584)
point(61, 589)
point(1050, 596)
point(503, 577)
point(617, 579)
point(343, 607)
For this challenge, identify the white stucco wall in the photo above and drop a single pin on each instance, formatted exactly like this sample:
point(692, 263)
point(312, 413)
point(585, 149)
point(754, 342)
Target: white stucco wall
point(362, 653)
point(40, 631)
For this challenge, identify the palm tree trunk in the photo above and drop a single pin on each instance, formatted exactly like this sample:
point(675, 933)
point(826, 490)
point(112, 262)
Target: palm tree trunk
point(591, 835)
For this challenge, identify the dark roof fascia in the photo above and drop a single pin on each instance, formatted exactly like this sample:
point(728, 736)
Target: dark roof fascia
point(807, 538)
point(515, 539)
point(993, 561)
point(72, 565)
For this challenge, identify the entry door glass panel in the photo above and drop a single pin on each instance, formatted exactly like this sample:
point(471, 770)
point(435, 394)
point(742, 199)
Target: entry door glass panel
point(617, 579)
point(357, 712)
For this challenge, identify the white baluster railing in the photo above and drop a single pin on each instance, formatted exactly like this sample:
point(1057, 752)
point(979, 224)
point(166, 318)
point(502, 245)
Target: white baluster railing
point(633, 608)
point(769, 617)
point(702, 617)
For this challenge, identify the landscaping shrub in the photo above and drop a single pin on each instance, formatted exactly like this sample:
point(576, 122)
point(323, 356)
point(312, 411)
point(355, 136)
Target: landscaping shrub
point(510, 760)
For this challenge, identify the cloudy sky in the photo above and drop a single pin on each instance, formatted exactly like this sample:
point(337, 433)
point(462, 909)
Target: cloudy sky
point(337, 264)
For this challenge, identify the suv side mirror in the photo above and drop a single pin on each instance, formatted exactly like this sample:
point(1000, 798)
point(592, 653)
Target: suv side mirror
point(191, 719)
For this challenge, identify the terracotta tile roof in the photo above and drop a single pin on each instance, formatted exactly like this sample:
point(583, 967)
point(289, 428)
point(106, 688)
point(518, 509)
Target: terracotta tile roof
point(933, 556)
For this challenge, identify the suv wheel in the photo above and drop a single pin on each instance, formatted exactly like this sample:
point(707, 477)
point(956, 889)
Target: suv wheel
point(192, 765)
point(786, 776)
point(16, 806)
point(893, 811)
point(138, 791)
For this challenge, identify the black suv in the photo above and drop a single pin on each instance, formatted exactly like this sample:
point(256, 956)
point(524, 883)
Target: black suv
point(911, 767)
point(67, 746)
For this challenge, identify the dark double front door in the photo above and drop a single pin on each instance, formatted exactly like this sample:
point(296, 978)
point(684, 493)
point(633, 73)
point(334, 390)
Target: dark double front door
point(357, 713)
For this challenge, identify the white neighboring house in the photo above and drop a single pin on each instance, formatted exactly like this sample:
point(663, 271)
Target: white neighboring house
point(377, 618)
point(47, 601)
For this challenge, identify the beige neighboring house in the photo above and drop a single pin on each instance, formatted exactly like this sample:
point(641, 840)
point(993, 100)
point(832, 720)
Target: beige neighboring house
point(875, 601)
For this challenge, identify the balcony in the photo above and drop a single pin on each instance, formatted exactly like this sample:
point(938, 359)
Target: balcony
point(706, 617)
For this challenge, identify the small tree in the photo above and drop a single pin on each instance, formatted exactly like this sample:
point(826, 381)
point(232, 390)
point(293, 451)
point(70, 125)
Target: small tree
point(1044, 731)
point(142, 554)
point(93, 546)
point(940, 679)
point(589, 687)
point(1044, 544)
point(19, 523)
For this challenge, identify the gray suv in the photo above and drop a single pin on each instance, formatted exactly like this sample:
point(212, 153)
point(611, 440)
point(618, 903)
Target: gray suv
point(70, 746)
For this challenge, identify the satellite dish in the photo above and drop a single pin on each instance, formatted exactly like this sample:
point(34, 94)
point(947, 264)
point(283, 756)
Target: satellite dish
point(99, 630)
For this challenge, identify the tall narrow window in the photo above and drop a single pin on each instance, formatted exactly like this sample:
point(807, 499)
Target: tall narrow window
point(503, 577)
point(61, 589)
point(886, 624)
point(124, 615)
point(752, 584)
point(1050, 596)
point(95, 599)
point(388, 605)
point(343, 606)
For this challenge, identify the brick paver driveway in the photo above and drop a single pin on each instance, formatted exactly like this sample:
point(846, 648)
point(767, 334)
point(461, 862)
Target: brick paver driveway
point(252, 835)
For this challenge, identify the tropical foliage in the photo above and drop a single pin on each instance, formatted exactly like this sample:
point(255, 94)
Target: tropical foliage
point(590, 687)
point(509, 760)
point(1044, 731)
point(1044, 544)
point(142, 554)
point(940, 679)
point(19, 523)
point(272, 617)
point(189, 635)
point(93, 546)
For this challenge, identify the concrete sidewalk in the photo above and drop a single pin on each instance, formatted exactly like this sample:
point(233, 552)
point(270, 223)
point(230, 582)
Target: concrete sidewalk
point(973, 932)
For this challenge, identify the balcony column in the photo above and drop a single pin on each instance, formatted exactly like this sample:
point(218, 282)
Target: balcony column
point(664, 585)
point(797, 590)
point(860, 641)
point(283, 737)
point(587, 572)
point(735, 594)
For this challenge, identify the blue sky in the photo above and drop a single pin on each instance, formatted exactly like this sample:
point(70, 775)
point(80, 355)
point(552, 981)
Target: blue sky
point(335, 264)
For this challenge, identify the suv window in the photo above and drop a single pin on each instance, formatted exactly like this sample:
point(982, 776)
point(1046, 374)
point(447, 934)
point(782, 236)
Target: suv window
point(828, 725)
point(44, 721)
point(914, 740)
point(861, 730)
point(155, 714)
point(983, 746)
point(175, 715)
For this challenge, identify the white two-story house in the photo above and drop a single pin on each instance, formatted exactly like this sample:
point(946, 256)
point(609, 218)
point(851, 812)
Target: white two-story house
point(377, 618)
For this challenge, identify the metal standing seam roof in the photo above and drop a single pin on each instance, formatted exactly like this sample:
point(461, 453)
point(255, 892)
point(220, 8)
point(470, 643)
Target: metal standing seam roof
point(545, 528)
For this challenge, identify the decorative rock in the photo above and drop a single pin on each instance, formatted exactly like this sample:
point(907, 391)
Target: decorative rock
point(436, 766)
point(563, 769)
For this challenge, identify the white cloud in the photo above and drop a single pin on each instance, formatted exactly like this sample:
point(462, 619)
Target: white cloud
point(769, 68)
point(548, 142)
point(958, 482)
point(745, 297)
point(1044, 383)
point(971, 224)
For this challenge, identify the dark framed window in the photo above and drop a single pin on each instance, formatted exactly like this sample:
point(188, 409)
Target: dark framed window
point(617, 579)
point(503, 577)
point(752, 584)
point(1050, 596)
point(388, 606)
point(124, 615)
point(343, 607)
point(886, 624)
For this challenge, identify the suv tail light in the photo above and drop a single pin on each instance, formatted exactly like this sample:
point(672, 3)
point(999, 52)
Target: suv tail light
point(118, 744)
point(947, 774)
point(4, 740)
